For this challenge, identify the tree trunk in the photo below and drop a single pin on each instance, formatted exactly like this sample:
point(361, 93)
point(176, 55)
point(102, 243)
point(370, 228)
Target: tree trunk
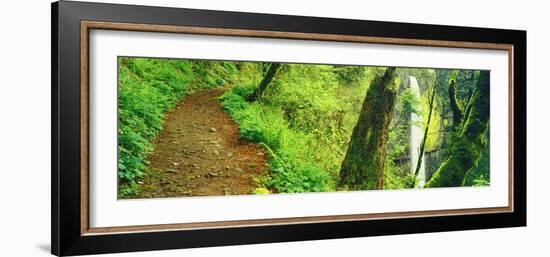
point(363, 166)
point(466, 112)
point(467, 149)
point(426, 130)
point(271, 72)
point(457, 112)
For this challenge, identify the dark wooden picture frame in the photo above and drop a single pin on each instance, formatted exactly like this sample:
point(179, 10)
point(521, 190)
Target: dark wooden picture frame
point(71, 23)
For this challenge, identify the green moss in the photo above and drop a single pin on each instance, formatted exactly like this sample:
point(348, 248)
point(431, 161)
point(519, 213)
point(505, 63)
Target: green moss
point(363, 166)
point(468, 146)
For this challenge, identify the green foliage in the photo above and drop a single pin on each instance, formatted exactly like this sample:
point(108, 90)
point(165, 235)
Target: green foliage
point(395, 176)
point(399, 176)
point(304, 119)
point(290, 172)
point(426, 78)
point(350, 75)
point(308, 113)
point(479, 175)
point(147, 88)
point(409, 103)
point(469, 145)
point(291, 176)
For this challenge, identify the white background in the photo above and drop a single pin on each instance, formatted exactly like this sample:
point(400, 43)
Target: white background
point(25, 133)
point(106, 211)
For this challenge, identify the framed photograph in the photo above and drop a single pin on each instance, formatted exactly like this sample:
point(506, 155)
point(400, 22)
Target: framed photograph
point(178, 128)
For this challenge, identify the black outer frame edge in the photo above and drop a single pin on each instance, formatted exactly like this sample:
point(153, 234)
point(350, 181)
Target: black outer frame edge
point(54, 131)
point(66, 239)
point(520, 125)
point(288, 23)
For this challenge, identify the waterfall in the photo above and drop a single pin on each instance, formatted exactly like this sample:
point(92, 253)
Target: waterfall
point(416, 135)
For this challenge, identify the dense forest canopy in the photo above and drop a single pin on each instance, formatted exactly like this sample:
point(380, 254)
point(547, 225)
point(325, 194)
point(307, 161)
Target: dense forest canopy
point(324, 127)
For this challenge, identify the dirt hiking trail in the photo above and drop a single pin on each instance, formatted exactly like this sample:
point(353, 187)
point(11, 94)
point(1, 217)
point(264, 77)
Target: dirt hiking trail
point(199, 153)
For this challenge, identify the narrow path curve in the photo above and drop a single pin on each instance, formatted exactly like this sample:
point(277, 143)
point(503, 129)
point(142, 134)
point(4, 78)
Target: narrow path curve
point(199, 153)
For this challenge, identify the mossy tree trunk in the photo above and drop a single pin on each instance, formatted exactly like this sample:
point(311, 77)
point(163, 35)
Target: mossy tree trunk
point(467, 149)
point(455, 107)
point(363, 165)
point(270, 74)
point(426, 130)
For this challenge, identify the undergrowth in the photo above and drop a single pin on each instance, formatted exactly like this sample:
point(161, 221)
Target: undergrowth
point(266, 125)
point(304, 119)
point(147, 89)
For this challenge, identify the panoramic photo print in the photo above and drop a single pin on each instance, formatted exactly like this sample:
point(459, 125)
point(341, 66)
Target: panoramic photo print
point(216, 128)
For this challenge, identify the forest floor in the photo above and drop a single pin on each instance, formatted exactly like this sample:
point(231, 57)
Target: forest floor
point(199, 153)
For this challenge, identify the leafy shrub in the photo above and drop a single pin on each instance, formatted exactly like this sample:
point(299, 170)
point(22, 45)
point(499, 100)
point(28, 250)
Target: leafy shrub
point(290, 171)
point(146, 89)
point(298, 178)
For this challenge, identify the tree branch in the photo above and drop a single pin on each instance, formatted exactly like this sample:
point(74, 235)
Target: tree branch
point(271, 72)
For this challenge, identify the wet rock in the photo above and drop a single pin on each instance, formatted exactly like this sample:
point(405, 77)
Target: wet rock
point(213, 130)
